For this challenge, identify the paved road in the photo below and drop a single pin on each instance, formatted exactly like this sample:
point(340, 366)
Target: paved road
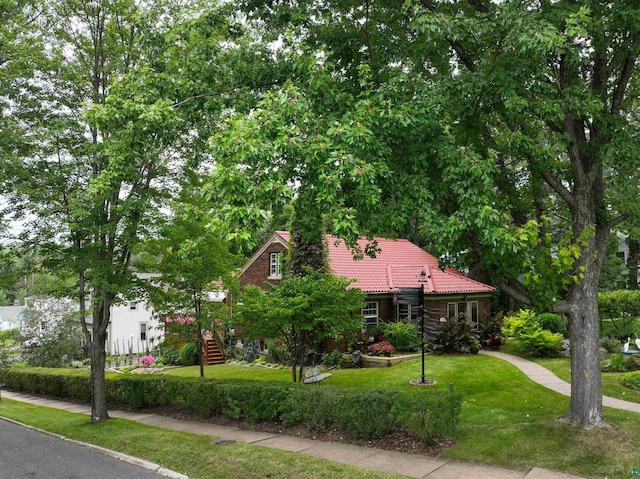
point(28, 454)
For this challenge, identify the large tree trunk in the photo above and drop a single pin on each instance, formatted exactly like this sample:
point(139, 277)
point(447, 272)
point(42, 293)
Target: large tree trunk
point(98, 384)
point(591, 232)
point(101, 318)
point(585, 409)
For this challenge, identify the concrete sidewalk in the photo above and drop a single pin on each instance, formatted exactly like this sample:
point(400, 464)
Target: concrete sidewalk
point(368, 458)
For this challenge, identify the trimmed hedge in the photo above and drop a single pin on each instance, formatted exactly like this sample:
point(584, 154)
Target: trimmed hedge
point(357, 414)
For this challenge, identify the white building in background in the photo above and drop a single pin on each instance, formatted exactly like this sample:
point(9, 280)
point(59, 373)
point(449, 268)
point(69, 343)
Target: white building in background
point(133, 329)
point(10, 317)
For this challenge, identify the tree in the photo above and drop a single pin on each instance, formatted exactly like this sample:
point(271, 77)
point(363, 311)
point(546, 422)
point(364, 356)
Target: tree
point(301, 312)
point(50, 332)
point(193, 263)
point(118, 129)
point(502, 130)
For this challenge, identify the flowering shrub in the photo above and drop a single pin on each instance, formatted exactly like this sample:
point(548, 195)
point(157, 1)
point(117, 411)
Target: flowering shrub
point(147, 361)
point(383, 348)
point(179, 319)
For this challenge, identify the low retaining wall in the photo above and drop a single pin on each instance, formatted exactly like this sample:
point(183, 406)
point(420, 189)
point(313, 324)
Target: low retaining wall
point(385, 362)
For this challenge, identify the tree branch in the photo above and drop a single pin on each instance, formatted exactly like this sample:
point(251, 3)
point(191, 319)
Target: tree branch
point(623, 80)
point(221, 92)
point(516, 293)
point(553, 181)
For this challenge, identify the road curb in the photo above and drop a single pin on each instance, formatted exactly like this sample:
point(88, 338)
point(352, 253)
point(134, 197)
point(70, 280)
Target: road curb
point(136, 461)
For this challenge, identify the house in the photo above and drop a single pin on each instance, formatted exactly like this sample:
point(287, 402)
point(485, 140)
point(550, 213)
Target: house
point(395, 282)
point(132, 328)
point(10, 317)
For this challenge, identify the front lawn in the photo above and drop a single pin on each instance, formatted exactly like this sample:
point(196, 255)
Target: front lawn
point(507, 420)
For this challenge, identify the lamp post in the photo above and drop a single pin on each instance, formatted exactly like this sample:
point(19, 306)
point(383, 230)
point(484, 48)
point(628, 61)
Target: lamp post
point(422, 381)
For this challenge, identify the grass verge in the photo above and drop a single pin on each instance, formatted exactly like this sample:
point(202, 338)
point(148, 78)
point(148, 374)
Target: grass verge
point(195, 455)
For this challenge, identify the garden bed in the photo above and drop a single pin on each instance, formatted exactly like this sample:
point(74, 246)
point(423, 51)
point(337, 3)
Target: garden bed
point(385, 361)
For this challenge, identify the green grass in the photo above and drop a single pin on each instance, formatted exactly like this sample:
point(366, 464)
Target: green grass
point(192, 454)
point(507, 420)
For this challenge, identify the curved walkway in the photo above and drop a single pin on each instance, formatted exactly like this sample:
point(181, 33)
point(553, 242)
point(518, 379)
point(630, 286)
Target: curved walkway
point(543, 376)
point(370, 458)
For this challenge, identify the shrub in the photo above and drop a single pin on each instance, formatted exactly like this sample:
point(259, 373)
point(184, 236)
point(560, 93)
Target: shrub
point(314, 407)
point(515, 324)
point(332, 359)
point(171, 357)
point(542, 342)
point(619, 363)
point(524, 326)
point(355, 413)
point(490, 333)
point(383, 348)
point(365, 414)
point(433, 416)
point(189, 354)
point(401, 335)
point(552, 322)
point(458, 335)
point(610, 345)
point(278, 353)
point(631, 380)
point(147, 361)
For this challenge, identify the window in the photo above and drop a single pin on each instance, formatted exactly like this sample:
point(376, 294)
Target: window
point(468, 308)
point(133, 305)
point(408, 313)
point(404, 312)
point(370, 312)
point(275, 265)
point(143, 331)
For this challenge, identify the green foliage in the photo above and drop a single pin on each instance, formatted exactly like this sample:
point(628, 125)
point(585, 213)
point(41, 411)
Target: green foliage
point(171, 356)
point(436, 416)
point(193, 262)
point(458, 335)
point(189, 354)
point(302, 311)
point(332, 359)
point(490, 333)
point(610, 345)
point(516, 324)
point(552, 322)
point(526, 327)
point(357, 414)
point(631, 380)
point(59, 383)
point(541, 341)
point(619, 362)
point(277, 353)
point(621, 307)
point(401, 335)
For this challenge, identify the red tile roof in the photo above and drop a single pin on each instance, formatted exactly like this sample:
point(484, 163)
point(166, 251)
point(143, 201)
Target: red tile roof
point(398, 264)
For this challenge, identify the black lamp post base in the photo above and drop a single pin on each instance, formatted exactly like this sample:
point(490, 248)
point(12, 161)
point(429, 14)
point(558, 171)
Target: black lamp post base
point(420, 382)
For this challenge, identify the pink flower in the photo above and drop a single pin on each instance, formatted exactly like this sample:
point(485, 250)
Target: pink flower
point(147, 361)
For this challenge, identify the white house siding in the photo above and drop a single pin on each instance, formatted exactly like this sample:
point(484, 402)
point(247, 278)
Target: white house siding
point(125, 329)
point(10, 317)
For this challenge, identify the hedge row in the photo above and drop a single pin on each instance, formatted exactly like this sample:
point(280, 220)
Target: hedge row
point(357, 414)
